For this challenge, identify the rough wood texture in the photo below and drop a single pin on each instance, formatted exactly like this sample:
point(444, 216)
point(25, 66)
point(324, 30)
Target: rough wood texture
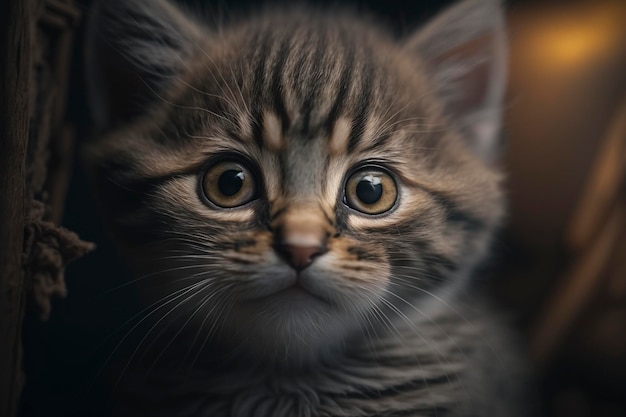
point(48, 248)
point(15, 66)
point(35, 159)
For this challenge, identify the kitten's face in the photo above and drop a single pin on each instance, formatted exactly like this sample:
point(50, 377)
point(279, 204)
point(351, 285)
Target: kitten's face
point(294, 182)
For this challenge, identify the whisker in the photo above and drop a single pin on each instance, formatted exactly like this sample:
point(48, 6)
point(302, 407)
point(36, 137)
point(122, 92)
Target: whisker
point(163, 301)
point(150, 275)
point(202, 303)
point(467, 321)
point(132, 356)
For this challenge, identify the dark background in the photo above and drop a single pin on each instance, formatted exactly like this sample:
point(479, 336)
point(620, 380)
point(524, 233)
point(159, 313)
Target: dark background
point(550, 153)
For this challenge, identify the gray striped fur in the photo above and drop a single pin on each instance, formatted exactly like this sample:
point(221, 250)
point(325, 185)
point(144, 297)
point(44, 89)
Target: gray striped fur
point(305, 96)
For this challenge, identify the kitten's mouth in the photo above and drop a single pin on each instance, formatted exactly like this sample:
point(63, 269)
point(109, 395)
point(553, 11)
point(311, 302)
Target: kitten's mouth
point(294, 292)
point(297, 290)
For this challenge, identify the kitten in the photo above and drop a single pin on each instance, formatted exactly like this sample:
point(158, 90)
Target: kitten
point(303, 199)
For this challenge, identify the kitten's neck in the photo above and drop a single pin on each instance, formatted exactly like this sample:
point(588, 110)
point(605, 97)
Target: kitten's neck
point(410, 359)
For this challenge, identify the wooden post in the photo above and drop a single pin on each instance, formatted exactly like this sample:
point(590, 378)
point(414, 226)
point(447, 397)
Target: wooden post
point(15, 67)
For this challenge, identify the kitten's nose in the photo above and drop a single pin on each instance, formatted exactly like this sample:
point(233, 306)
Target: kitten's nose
point(301, 232)
point(299, 257)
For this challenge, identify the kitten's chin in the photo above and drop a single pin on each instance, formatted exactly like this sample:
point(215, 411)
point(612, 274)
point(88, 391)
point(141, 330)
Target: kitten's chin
point(292, 325)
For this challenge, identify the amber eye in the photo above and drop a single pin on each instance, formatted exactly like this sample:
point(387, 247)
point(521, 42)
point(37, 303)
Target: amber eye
point(229, 184)
point(371, 190)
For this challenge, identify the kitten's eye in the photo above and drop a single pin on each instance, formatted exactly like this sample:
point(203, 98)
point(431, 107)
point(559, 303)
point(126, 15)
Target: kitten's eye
point(229, 184)
point(371, 191)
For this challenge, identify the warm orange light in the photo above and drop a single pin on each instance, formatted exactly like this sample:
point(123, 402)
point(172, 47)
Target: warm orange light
point(571, 45)
point(566, 40)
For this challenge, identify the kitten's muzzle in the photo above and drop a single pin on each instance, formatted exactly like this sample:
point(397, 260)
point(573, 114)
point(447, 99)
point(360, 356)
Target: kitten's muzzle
point(300, 232)
point(299, 256)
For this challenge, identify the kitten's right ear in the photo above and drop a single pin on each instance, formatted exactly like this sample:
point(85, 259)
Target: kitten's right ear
point(465, 55)
point(133, 49)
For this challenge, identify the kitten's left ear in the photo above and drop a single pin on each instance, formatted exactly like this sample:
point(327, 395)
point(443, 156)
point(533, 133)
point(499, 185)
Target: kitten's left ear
point(133, 50)
point(464, 50)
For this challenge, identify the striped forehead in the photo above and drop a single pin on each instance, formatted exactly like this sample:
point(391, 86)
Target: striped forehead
point(296, 84)
point(305, 163)
point(305, 80)
point(336, 139)
point(311, 95)
point(311, 98)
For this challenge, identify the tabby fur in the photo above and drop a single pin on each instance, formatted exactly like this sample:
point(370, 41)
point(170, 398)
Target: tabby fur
point(305, 96)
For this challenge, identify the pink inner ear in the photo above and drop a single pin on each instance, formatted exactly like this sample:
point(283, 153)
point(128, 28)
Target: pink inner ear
point(470, 78)
point(465, 74)
point(464, 52)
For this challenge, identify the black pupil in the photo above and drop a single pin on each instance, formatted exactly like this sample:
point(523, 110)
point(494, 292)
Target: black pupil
point(230, 182)
point(369, 190)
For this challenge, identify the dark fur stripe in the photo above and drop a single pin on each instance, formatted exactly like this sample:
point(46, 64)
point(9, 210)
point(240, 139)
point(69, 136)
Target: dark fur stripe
point(315, 87)
point(415, 385)
point(363, 103)
point(277, 87)
point(257, 87)
point(344, 86)
point(455, 214)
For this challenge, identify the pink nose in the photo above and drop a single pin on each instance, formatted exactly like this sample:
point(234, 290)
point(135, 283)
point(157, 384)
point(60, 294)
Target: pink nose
point(299, 257)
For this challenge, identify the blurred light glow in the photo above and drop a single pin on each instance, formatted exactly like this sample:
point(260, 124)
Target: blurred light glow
point(580, 35)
